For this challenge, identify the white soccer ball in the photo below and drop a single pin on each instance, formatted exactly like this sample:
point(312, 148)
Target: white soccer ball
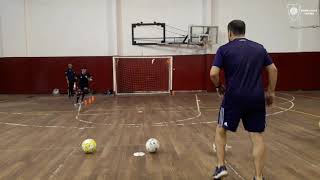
point(152, 145)
point(55, 92)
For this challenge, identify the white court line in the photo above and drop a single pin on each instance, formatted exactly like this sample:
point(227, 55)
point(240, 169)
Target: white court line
point(154, 124)
point(139, 124)
point(183, 124)
point(285, 109)
point(24, 113)
point(38, 112)
point(61, 165)
point(198, 109)
point(308, 97)
point(88, 122)
point(300, 112)
point(161, 124)
point(105, 124)
point(208, 122)
point(38, 126)
point(286, 94)
point(94, 114)
point(79, 109)
point(285, 148)
point(37, 149)
point(187, 119)
point(238, 174)
point(288, 101)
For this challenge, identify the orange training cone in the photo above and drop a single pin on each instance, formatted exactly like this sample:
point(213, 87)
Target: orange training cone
point(89, 101)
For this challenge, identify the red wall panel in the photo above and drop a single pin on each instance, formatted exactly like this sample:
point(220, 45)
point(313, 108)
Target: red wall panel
point(14, 76)
point(191, 72)
point(297, 70)
point(43, 74)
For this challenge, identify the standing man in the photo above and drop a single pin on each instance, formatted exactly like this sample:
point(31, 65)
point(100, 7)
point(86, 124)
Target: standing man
point(243, 98)
point(84, 79)
point(71, 79)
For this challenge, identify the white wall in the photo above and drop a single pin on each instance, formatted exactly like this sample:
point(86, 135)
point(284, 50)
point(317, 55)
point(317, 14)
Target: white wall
point(267, 22)
point(103, 27)
point(309, 38)
point(13, 27)
point(67, 28)
point(57, 28)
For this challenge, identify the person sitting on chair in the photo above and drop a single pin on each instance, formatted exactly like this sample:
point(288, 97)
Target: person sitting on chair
point(84, 79)
point(71, 79)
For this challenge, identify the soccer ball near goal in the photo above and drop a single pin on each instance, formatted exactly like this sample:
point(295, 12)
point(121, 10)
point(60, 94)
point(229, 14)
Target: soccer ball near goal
point(89, 146)
point(152, 145)
point(55, 92)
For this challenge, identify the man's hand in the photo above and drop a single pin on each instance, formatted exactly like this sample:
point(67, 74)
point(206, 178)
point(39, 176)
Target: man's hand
point(272, 76)
point(220, 90)
point(270, 98)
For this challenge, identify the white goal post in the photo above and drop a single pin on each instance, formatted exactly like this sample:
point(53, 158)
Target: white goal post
point(134, 75)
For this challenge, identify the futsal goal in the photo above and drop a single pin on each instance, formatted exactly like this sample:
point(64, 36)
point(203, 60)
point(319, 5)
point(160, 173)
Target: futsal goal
point(142, 75)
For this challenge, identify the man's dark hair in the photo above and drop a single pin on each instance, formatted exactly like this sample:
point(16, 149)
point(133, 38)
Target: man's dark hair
point(237, 27)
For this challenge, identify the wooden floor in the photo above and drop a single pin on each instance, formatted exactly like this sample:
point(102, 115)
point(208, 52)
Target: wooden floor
point(41, 135)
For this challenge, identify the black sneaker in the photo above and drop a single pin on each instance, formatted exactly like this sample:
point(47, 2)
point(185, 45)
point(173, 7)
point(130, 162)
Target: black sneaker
point(220, 172)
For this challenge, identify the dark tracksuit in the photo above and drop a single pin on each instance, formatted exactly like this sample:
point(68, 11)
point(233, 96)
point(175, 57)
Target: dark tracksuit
point(83, 85)
point(71, 75)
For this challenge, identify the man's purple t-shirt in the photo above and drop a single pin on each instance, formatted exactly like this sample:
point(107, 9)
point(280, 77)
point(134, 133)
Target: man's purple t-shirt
point(243, 62)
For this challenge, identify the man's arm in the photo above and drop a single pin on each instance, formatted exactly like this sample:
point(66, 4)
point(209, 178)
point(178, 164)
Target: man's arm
point(272, 79)
point(215, 78)
point(215, 71)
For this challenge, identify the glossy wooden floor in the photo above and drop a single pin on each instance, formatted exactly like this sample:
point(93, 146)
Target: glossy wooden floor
point(40, 138)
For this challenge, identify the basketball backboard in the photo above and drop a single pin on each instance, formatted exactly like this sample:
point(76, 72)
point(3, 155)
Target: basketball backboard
point(163, 34)
point(148, 33)
point(203, 35)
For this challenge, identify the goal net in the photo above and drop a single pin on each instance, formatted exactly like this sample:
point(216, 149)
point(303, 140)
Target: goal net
point(142, 75)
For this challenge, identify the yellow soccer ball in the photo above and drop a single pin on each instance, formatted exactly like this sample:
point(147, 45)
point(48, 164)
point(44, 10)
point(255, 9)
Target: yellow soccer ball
point(89, 146)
